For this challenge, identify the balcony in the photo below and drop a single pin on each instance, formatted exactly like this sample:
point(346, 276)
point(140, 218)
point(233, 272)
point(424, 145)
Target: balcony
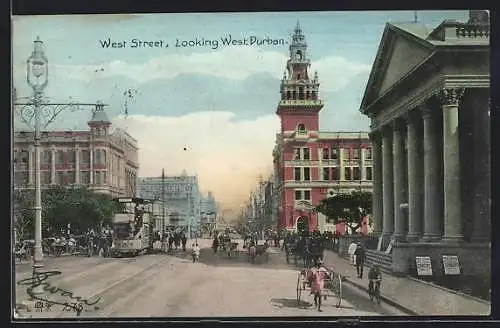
point(301, 102)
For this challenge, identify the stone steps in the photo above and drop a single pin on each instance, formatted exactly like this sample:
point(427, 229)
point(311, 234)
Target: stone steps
point(383, 260)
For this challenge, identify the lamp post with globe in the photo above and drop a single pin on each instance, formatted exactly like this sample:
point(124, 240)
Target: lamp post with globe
point(37, 78)
point(38, 113)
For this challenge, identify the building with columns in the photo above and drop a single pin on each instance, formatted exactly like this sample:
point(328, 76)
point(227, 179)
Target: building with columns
point(428, 101)
point(103, 161)
point(310, 164)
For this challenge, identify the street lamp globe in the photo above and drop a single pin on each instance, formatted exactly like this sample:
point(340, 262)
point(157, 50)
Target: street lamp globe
point(37, 65)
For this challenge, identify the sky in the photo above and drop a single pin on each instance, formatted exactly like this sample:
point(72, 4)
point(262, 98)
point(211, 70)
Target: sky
point(217, 102)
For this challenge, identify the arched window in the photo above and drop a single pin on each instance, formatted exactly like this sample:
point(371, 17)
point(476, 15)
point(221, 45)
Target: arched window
point(288, 95)
point(301, 127)
point(301, 93)
point(298, 55)
point(294, 95)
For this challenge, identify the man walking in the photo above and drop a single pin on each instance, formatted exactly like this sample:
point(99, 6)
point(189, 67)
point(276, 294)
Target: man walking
point(350, 251)
point(360, 260)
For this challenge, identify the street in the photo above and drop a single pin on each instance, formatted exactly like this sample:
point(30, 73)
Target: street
point(163, 285)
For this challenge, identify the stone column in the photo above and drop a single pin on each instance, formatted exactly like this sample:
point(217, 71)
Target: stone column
point(451, 150)
point(77, 164)
point(341, 163)
point(362, 166)
point(482, 172)
point(53, 166)
point(91, 165)
point(31, 160)
point(387, 185)
point(378, 201)
point(432, 214)
point(415, 178)
point(398, 180)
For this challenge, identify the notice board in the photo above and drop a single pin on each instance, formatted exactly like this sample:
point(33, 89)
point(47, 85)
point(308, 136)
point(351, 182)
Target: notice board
point(424, 265)
point(451, 265)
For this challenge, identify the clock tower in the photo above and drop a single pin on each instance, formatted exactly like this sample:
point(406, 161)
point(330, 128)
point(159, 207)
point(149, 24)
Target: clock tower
point(299, 106)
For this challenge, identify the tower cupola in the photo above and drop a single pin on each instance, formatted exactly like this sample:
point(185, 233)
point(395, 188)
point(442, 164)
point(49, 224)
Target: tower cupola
point(99, 124)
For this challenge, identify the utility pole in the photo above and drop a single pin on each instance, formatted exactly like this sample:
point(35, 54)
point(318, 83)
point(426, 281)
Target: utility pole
point(163, 201)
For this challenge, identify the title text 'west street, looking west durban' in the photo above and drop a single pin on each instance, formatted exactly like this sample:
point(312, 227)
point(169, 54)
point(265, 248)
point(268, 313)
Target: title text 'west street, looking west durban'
point(230, 41)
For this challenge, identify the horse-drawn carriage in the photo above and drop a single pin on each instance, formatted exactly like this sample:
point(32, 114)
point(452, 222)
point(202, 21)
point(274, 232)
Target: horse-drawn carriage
point(255, 250)
point(332, 286)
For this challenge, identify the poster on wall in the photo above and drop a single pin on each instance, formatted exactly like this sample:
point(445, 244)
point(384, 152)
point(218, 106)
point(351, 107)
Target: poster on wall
point(451, 265)
point(424, 265)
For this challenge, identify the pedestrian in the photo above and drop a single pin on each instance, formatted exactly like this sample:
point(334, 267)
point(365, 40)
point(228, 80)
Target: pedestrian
point(350, 251)
point(317, 280)
point(195, 252)
point(360, 254)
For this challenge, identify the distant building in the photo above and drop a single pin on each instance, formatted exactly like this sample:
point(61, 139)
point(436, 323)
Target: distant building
point(182, 197)
point(208, 210)
point(103, 161)
point(310, 164)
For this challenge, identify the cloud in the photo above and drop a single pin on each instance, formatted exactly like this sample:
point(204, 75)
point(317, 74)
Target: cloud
point(227, 155)
point(234, 63)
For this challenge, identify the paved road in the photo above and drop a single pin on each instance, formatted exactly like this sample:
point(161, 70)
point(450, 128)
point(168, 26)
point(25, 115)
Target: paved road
point(172, 286)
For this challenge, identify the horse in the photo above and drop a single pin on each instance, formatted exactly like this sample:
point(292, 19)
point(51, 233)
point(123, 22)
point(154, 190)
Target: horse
point(257, 250)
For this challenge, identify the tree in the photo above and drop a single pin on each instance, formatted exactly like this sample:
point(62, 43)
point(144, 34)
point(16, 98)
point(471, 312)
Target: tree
point(347, 208)
point(79, 207)
point(23, 215)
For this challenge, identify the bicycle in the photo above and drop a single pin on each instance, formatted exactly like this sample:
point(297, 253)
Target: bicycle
point(374, 292)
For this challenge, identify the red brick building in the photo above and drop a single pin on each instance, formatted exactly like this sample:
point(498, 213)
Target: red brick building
point(103, 161)
point(309, 164)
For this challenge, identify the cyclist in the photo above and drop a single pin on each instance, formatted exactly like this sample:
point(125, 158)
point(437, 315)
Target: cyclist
point(374, 276)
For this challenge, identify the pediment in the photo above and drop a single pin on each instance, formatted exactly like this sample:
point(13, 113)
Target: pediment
point(403, 57)
point(398, 54)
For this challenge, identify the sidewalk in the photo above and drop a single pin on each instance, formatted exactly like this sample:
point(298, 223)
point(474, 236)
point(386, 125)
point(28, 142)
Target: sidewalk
point(411, 295)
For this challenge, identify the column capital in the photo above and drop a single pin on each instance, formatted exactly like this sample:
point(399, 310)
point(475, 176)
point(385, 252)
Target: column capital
point(398, 124)
point(451, 96)
point(374, 135)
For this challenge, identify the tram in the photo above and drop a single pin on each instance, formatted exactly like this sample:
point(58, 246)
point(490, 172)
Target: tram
point(133, 227)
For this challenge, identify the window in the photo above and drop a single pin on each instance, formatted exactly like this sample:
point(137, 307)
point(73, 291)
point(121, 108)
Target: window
point(325, 153)
point(46, 157)
point(70, 179)
point(71, 156)
point(21, 178)
point(334, 154)
point(297, 173)
point(369, 173)
point(84, 177)
point(85, 156)
point(347, 173)
point(355, 152)
point(326, 173)
point(356, 173)
point(301, 127)
point(59, 157)
point(368, 153)
point(296, 153)
point(306, 153)
point(302, 195)
point(100, 178)
point(21, 157)
point(45, 177)
point(301, 91)
point(335, 173)
point(59, 178)
point(307, 174)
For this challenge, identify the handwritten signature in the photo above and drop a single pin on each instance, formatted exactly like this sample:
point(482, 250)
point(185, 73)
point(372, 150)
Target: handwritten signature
point(39, 279)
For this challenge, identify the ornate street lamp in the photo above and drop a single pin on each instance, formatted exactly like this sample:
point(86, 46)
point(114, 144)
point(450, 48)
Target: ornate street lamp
point(37, 78)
